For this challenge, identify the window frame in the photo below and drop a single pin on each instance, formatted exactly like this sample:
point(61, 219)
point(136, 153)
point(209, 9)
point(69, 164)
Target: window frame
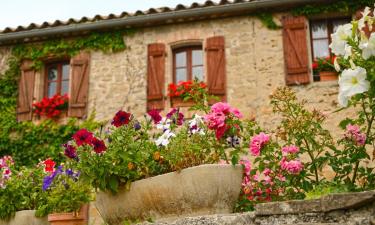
point(59, 64)
point(189, 61)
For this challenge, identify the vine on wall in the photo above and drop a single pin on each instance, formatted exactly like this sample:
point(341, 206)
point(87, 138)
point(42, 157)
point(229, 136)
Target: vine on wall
point(28, 142)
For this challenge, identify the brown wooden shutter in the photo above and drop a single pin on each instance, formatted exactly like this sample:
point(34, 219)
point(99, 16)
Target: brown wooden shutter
point(216, 68)
point(79, 85)
point(25, 91)
point(295, 50)
point(156, 76)
point(366, 29)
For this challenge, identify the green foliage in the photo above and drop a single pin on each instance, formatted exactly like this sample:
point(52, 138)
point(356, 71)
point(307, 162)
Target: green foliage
point(267, 20)
point(23, 192)
point(325, 189)
point(341, 6)
point(28, 142)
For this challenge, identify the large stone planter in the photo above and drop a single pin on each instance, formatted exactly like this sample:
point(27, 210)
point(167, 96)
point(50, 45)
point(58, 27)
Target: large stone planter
point(25, 217)
point(200, 190)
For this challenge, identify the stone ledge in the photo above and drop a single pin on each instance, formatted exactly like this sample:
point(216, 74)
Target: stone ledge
point(325, 204)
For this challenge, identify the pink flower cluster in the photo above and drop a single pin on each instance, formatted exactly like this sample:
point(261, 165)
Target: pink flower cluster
point(216, 119)
point(292, 166)
point(353, 132)
point(5, 163)
point(258, 142)
point(291, 149)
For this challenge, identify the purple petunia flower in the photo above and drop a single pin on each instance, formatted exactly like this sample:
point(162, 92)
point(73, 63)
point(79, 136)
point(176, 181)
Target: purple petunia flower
point(47, 181)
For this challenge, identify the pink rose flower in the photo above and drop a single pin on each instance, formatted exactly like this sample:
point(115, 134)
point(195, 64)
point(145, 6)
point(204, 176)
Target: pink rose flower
point(247, 166)
point(257, 143)
point(292, 166)
point(291, 149)
point(353, 132)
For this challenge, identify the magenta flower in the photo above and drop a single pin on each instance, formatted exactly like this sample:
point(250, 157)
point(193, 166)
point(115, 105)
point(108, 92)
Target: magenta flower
point(82, 137)
point(155, 115)
point(70, 151)
point(121, 118)
point(175, 113)
point(258, 142)
point(291, 149)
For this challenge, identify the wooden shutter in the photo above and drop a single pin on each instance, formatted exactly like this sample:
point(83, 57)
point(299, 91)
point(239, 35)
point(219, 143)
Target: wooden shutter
point(295, 50)
point(366, 29)
point(25, 91)
point(79, 85)
point(216, 68)
point(156, 76)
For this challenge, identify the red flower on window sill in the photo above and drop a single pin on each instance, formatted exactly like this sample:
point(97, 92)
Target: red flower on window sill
point(324, 64)
point(51, 107)
point(184, 88)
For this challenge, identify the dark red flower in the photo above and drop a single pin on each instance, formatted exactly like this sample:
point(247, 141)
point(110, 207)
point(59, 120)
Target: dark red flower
point(155, 115)
point(99, 145)
point(82, 137)
point(121, 118)
point(220, 131)
point(49, 166)
point(171, 113)
point(70, 151)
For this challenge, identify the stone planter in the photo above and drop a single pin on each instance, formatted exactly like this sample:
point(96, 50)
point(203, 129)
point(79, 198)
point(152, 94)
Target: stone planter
point(328, 75)
point(200, 190)
point(25, 217)
point(76, 218)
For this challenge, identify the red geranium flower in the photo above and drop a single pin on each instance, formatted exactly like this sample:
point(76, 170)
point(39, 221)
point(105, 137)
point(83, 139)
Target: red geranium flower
point(82, 137)
point(49, 166)
point(155, 115)
point(99, 145)
point(121, 118)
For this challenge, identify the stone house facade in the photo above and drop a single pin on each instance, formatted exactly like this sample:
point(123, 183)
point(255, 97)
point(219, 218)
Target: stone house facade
point(223, 44)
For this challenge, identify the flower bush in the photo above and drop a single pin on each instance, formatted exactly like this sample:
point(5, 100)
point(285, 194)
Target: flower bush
point(51, 107)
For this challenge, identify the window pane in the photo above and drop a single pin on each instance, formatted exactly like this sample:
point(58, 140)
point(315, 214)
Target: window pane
point(198, 72)
point(65, 71)
point(320, 48)
point(337, 23)
point(64, 87)
point(51, 89)
point(181, 59)
point(52, 73)
point(319, 29)
point(181, 75)
point(197, 57)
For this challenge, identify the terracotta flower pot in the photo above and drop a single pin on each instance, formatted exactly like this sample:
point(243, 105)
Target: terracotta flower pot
point(328, 75)
point(73, 218)
point(179, 102)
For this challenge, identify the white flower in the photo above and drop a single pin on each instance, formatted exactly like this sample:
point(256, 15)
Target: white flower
point(163, 140)
point(361, 22)
point(339, 39)
point(352, 82)
point(164, 124)
point(194, 125)
point(368, 47)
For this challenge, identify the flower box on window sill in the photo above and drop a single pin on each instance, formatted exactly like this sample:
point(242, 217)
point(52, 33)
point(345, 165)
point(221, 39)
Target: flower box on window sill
point(179, 102)
point(328, 75)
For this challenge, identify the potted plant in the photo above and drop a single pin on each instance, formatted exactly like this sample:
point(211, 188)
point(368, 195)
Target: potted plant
point(186, 93)
point(21, 194)
point(325, 68)
point(67, 197)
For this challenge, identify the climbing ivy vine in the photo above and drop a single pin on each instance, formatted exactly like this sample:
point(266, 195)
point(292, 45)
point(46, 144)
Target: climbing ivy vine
point(28, 142)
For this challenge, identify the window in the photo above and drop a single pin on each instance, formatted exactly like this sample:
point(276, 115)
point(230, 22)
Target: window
point(188, 64)
point(57, 78)
point(321, 31)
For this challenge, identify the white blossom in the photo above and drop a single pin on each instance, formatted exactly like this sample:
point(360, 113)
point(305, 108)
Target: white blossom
point(194, 125)
point(339, 45)
point(164, 124)
point(163, 140)
point(337, 65)
point(352, 82)
point(368, 47)
point(361, 22)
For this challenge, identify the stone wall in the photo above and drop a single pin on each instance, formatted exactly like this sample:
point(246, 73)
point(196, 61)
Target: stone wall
point(4, 55)
point(336, 209)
